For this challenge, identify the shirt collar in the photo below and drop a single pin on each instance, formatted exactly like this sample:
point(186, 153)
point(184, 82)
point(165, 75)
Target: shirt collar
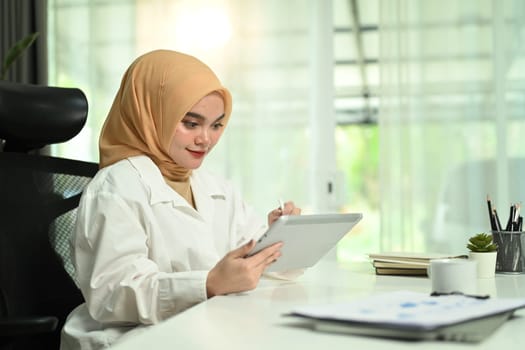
point(203, 191)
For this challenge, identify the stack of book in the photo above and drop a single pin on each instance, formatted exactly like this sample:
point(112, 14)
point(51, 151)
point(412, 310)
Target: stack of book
point(406, 264)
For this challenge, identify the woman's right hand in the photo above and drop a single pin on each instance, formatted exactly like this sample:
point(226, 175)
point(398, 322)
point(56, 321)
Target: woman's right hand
point(237, 273)
point(288, 208)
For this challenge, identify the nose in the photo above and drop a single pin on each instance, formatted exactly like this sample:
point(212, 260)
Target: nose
point(203, 139)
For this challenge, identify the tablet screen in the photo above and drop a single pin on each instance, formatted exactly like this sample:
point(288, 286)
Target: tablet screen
point(306, 238)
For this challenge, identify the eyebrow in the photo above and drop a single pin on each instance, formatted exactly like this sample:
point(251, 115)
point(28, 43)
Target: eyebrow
point(201, 117)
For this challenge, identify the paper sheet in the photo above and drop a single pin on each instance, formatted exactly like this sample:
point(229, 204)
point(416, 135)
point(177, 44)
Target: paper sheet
point(410, 308)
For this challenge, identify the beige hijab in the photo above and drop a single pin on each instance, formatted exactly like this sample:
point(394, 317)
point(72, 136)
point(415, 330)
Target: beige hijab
point(156, 92)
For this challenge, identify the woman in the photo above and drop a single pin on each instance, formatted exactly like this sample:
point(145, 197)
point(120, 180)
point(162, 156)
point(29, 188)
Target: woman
point(154, 234)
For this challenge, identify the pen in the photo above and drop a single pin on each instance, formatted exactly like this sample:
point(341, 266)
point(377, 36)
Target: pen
point(511, 216)
point(517, 207)
point(281, 205)
point(482, 297)
point(491, 214)
point(498, 223)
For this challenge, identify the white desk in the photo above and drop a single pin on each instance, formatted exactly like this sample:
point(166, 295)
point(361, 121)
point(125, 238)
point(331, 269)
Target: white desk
point(254, 320)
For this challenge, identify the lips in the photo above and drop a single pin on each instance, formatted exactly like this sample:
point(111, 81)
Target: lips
point(197, 154)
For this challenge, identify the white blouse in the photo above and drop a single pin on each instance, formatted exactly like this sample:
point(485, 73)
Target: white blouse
point(142, 253)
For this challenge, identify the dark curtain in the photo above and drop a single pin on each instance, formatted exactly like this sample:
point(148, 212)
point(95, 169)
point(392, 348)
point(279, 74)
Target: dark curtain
point(19, 18)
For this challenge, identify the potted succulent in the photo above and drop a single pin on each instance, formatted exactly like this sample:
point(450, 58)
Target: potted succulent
point(484, 251)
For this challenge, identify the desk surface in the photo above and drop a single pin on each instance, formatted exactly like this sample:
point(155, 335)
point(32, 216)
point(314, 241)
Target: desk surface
point(254, 320)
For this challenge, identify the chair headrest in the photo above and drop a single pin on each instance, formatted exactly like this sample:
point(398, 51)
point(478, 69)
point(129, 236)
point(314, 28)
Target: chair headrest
point(32, 116)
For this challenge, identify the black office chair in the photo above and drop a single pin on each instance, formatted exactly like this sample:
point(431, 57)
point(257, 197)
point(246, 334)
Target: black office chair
point(38, 199)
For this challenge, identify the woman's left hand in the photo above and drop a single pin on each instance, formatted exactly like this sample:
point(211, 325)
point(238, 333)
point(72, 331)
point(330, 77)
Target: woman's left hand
point(289, 208)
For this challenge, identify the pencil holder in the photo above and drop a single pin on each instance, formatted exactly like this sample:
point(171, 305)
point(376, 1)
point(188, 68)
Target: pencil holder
point(511, 250)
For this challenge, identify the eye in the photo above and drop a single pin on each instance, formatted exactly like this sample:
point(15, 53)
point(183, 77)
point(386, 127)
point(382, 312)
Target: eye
point(189, 124)
point(217, 126)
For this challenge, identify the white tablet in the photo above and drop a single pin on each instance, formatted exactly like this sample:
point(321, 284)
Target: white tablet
point(306, 238)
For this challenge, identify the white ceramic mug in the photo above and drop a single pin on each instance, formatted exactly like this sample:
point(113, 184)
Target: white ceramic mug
point(453, 275)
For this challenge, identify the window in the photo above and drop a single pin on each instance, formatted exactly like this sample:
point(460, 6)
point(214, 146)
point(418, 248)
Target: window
point(356, 81)
point(277, 57)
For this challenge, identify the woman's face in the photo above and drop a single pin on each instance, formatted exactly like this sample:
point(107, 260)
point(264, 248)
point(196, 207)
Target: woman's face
point(198, 132)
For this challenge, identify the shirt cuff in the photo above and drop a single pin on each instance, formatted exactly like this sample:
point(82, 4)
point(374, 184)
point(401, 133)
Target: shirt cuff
point(180, 290)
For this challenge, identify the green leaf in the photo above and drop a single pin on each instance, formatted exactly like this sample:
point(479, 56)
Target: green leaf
point(482, 242)
point(16, 51)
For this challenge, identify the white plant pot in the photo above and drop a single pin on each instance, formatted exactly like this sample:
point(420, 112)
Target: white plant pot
point(486, 263)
